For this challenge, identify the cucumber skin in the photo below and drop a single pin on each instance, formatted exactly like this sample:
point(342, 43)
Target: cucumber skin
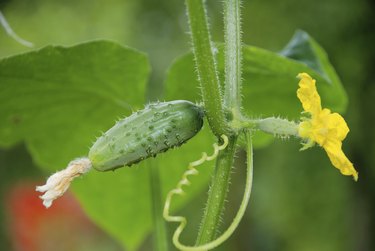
point(148, 132)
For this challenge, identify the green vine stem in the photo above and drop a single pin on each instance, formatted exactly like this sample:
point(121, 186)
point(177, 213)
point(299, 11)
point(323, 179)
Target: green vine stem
point(217, 194)
point(206, 66)
point(232, 21)
point(160, 238)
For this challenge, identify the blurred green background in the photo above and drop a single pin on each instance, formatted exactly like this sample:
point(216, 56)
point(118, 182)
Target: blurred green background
point(299, 201)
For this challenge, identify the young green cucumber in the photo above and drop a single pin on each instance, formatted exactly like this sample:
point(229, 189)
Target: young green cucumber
point(155, 129)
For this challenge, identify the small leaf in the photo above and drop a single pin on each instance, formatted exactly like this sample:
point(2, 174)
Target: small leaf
point(303, 48)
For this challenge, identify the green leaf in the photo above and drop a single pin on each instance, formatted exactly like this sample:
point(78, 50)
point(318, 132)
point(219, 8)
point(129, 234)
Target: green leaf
point(305, 49)
point(269, 80)
point(57, 100)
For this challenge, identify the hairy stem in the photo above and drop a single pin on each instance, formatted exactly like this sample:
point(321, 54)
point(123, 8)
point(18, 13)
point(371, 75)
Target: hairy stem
point(210, 86)
point(232, 21)
point(206, 66)
point(217, 194)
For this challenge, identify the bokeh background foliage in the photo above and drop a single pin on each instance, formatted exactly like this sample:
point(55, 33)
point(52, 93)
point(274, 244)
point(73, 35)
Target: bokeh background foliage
point(299, 201)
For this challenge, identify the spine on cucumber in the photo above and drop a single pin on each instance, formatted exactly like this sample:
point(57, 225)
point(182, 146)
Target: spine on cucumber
point(155, 129)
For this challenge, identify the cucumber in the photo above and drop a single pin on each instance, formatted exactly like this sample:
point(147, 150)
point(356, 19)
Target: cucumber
point(146, 133)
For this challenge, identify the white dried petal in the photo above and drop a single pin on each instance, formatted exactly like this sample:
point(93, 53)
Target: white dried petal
point(59, 182)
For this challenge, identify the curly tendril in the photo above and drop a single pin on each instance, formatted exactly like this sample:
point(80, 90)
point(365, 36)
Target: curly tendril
point(185, 182)
point(12, 34)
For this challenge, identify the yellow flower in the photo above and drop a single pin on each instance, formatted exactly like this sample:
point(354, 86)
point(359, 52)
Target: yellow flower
point(325, 128)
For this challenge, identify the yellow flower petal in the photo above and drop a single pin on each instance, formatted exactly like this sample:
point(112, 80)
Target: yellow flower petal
point(338, 124)
point(339, 160)
point(307, 94)
point(325, 128)
point(326, 125)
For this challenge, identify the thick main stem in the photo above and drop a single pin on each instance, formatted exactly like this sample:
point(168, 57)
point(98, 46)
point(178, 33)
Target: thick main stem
point(232, 21)
point(206, 66)
point(217, 194)
point(209, 80)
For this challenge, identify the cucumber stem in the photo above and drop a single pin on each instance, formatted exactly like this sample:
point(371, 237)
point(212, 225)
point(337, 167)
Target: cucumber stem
point(206, 66)
point(233, 46)
point(217, 194)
